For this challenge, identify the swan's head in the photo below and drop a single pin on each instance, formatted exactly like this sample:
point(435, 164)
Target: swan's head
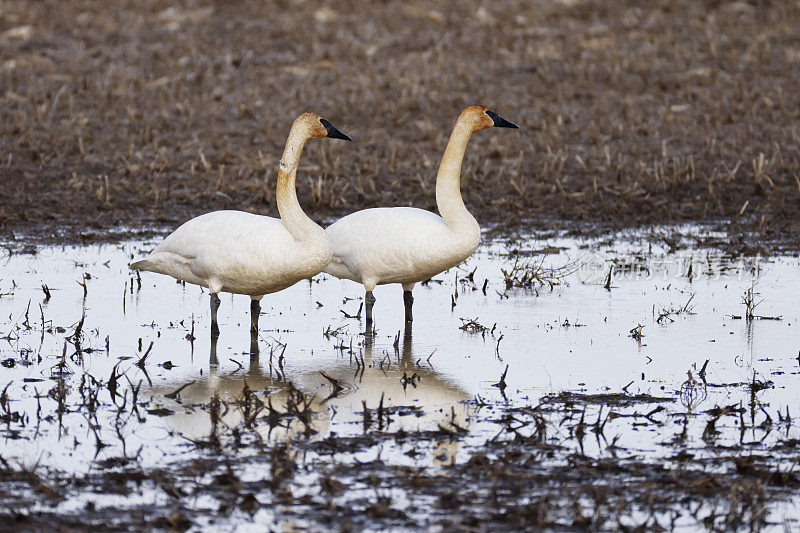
point(316, 127)
point(481, 117)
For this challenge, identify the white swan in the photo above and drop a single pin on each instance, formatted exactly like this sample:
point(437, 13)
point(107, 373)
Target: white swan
point(407, 245)
point(244, 253)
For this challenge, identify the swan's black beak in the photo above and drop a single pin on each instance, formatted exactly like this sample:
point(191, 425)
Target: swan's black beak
point(500, 122)
point(333, 133)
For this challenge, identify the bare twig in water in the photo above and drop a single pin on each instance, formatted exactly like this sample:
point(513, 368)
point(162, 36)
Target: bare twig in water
point(502, 383)
point(636, 332)
point(142, 359)
point(607, 285)
point(667, 314)
point(82, 283)
point(752, 299)
point(357, 315)
point(174, 394)
point(471, 325)
point(335, 383)
point(428, 360)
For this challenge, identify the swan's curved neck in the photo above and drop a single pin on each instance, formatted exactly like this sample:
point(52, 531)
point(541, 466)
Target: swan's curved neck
point(294, 218)
point(448, 180)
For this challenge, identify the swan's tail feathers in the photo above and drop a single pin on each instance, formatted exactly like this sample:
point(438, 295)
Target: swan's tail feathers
point(142, 264)
point(339, 270)
point(167, 263)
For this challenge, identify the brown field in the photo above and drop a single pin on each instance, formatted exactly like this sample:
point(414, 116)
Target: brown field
point(147, 113)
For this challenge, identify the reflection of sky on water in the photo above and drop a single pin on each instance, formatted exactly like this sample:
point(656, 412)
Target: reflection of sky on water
point(573, 337)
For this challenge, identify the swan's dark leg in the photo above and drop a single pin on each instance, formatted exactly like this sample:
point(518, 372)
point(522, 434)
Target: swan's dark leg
point(369, 301)
point(253, 347)
point(212, 356)
point(214, 306)
point(407, 342)
point(255, 311)
point(408, 300)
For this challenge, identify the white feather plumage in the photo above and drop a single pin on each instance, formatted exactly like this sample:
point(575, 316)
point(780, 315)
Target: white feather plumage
point(397, 245)
point(244, 253)
point(407, 245)
point(237, 252)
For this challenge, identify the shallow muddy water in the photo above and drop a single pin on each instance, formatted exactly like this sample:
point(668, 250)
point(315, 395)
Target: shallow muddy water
point(695, 351)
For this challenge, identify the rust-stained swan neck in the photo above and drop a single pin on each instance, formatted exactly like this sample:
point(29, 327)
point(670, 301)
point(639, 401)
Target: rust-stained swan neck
point(298, 136)
point(448, 179)
point(294, 218)
point(472, 119)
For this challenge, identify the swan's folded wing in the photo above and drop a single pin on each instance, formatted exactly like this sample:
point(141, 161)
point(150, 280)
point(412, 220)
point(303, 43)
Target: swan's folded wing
point(216, 242)
point(383, 241)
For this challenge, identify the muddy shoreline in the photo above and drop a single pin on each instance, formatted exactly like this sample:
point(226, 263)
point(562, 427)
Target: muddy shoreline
point(731, 238)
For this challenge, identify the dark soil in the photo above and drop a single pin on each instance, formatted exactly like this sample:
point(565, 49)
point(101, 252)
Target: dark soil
point(147, 113)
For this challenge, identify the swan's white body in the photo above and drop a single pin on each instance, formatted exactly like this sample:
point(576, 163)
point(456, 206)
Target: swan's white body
point(237, 252)
point(406, 245)
point(243, 253)
point(397, 245)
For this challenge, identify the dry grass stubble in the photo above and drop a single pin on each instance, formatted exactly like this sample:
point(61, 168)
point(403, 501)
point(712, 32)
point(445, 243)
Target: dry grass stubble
point(150, 113)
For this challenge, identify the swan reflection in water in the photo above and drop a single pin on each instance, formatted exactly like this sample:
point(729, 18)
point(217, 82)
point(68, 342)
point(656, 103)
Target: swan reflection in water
point(435, 402)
